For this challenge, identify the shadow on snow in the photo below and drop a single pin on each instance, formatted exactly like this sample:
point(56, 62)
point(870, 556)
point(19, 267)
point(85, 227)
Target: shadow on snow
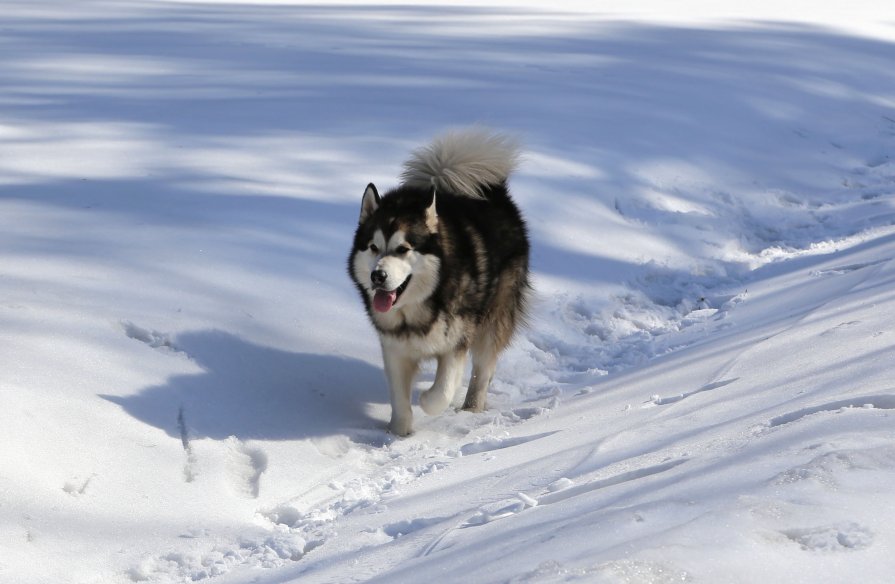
point(255, 392)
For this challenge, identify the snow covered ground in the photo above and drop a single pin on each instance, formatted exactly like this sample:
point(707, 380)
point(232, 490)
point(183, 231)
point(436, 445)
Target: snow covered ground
point(190, 390)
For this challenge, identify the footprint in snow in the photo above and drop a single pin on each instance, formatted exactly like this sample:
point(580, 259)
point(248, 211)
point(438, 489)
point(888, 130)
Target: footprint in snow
point(521, 414)
point(823, 469)
point(402, 528)
point(245, 466)
point(151, 338)
point(77, 487)
point(832, 538)
point(500, 510)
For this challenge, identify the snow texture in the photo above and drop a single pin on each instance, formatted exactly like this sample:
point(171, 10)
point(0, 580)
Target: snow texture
point(190, 388)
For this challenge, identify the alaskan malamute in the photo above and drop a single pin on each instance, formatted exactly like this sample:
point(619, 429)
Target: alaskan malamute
point(441, 263)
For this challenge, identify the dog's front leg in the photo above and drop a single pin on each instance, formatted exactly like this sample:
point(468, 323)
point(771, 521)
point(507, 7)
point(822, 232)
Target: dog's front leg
point(447, 378)
point(400, 371)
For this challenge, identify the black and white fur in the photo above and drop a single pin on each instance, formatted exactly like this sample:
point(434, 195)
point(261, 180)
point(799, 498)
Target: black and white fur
point(441, 264)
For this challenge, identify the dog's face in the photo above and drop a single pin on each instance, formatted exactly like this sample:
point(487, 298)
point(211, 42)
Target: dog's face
point(395, 260)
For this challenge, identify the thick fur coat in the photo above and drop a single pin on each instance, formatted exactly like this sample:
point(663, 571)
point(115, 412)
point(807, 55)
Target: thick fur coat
point(441, 264)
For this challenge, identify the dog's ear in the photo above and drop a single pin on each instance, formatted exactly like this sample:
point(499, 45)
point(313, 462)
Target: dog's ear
point(370, 203)
point(431, 214)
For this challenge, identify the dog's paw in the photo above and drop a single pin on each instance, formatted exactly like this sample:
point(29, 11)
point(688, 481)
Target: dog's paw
point(400, 427)
point(471, 405)
point(433, 402)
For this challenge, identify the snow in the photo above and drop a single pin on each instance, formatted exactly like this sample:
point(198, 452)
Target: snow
point(190, 388)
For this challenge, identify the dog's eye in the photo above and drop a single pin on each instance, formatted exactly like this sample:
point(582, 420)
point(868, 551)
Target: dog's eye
point(373, 248)
point(402, 249)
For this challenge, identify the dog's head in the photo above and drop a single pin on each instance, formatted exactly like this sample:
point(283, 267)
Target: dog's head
point(395, 260)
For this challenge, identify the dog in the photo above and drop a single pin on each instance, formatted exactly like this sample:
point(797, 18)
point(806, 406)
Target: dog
point(442, 266)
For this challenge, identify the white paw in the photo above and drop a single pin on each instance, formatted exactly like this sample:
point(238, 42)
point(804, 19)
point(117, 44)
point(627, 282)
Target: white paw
point(400, 426)
point(433, 402)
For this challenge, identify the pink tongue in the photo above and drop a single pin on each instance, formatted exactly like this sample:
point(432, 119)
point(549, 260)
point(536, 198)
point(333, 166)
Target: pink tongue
point(383, 301)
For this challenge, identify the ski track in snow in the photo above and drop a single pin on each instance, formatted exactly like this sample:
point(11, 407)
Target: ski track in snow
point(870, 402)
point(561, 490)
point(663, 401)
point(489, 444)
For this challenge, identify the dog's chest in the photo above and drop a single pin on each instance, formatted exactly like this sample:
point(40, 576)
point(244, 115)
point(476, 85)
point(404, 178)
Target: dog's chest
point(443, 335)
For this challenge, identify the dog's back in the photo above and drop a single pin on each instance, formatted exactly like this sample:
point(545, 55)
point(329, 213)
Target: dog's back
point(485, 239)
point(483, 231)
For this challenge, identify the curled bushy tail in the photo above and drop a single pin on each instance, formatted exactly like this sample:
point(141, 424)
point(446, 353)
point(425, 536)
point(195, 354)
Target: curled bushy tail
point(463, 162)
